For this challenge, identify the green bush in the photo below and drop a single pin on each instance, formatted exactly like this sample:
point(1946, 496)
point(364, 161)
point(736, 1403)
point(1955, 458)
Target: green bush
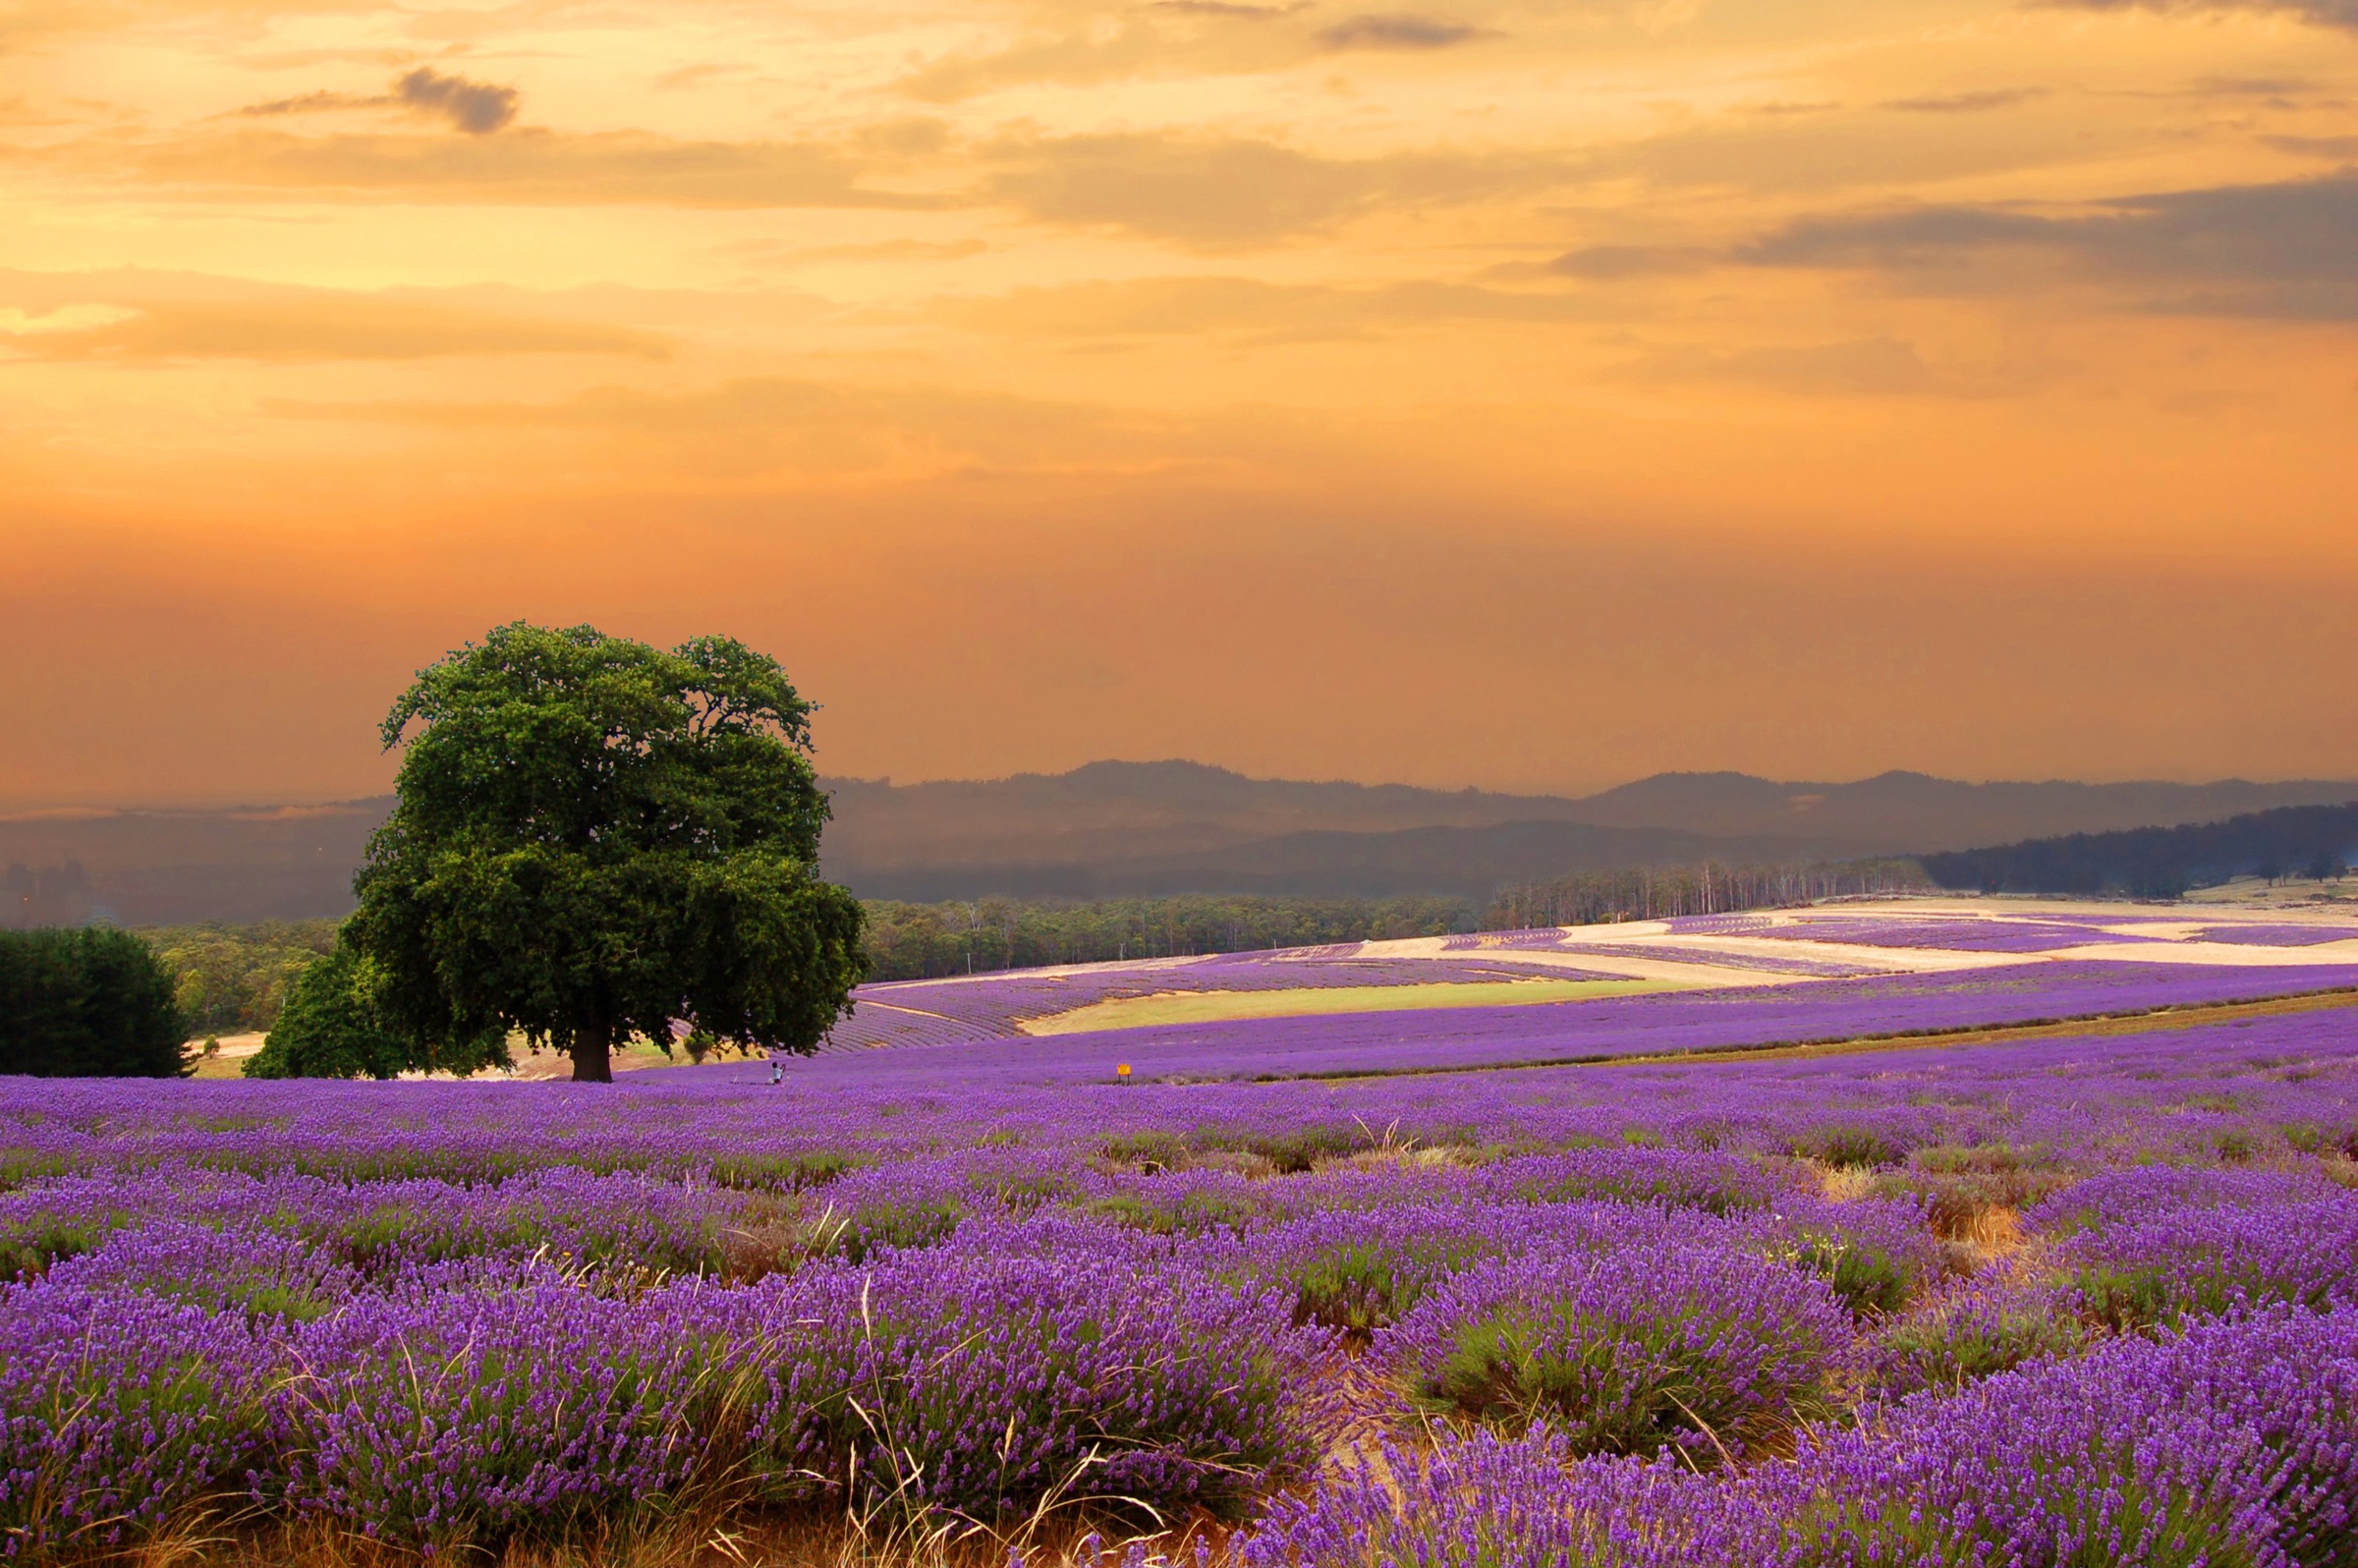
point(333, 1027)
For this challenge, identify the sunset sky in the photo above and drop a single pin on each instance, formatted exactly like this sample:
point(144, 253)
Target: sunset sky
point(1528, 395)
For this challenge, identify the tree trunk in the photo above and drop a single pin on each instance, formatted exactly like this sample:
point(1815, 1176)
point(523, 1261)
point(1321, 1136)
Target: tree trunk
point(590, 1062)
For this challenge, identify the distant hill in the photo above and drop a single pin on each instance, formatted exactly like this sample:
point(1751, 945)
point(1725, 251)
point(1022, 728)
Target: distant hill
point(1113, 828)
point(1472, 861)
point(1901, 813)
point(2162, 862)
point(169, 867)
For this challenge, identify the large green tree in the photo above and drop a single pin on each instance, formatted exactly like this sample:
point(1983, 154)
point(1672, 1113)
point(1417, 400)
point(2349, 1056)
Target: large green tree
point(595, 838)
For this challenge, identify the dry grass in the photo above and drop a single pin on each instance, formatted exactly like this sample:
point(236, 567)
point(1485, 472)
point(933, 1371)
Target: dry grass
point(691, 1538)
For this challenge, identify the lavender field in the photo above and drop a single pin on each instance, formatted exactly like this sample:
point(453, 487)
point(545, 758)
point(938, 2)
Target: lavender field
point(2087, 1296)
point(1857, 941)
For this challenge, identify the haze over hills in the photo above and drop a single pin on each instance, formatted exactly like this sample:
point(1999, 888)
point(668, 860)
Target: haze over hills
point(1111, 829)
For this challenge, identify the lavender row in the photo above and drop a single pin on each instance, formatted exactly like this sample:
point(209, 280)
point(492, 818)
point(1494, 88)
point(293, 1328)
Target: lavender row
point(2101, 1097)
point(1018, 1360)
point(981, 1380)
point(2236, 1442)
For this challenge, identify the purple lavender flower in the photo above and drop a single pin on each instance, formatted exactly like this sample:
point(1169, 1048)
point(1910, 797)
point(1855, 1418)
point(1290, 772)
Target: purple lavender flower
point(454, 1417)
point(121, 1411)
point(1710, 1350)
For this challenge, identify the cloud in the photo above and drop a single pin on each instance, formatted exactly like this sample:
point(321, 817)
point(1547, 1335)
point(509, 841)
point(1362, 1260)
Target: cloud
point(314, 103)
point(689, 76)
point(133, 316)
point(1967, 102)
point(311, 331)
point(2339, 150)
point(1223, 8)
point(1179, 38)
point(1604, 263)
point(1229, 193)
point(778, 425)
point(2319, 13)
point(531, 166)
point(1151, 307)
point(1194, 38)
point(2284, 249)
point(774, 250)
point(478, 108)
point(1859, 368)
point(1395, 30)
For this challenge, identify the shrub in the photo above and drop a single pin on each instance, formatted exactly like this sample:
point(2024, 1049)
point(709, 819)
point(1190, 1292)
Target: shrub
point(2235, 1444)
point(1874, 1254)
point(450, 1417)
point(330, 1027)
point(1715, 1182)
point(1033, 1365)
point(260, 1275)
point(1845, 1147)
point(1360, 1270)
point(1711, 1351)
point(1975, 1334)
point(1473, 1501)
point(119, 1411)
point(2204, 1262)
point(1189, 1204)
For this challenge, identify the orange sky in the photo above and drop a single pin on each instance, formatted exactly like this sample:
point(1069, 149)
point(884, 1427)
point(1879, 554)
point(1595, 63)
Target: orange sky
point(1525, 393)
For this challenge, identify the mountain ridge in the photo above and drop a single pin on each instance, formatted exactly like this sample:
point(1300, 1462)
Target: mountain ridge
point(1116, 827)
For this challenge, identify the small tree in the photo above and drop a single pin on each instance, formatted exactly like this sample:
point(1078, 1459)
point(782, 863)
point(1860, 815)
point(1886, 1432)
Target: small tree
point(332, 1026)
point(593, 838)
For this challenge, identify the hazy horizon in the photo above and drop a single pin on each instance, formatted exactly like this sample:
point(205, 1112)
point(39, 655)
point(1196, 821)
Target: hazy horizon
point(11, 810)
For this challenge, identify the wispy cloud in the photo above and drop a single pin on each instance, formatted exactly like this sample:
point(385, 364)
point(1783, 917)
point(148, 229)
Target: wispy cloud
point(1396, 31)
point(1609, 262)
point(1967, 103)
point(1878, 366)
point(1160, 308)
point(478, 108)
point(2285, 248)
point(526, 166)
point(1233, 192)
point(134, 318)
point(2319, 13)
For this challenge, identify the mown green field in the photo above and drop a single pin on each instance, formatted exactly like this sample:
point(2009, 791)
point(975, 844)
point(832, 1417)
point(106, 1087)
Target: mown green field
point(1207, 1007)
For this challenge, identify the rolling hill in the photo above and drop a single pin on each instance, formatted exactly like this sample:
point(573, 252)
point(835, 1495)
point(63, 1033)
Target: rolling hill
point(1113, 828)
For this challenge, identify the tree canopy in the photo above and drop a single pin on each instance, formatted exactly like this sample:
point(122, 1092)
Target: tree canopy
point(595, 838)
point(332, 1026)
point(89, 1003)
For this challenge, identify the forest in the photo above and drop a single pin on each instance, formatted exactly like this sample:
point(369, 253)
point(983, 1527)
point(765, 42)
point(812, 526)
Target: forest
point(1658, 892)
point(2312, 841)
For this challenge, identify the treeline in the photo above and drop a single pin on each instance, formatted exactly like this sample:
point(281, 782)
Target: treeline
point(2315, 841)
point(87, 1002)
point(233, 980)
point(918, 942)
point(1652, 893)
